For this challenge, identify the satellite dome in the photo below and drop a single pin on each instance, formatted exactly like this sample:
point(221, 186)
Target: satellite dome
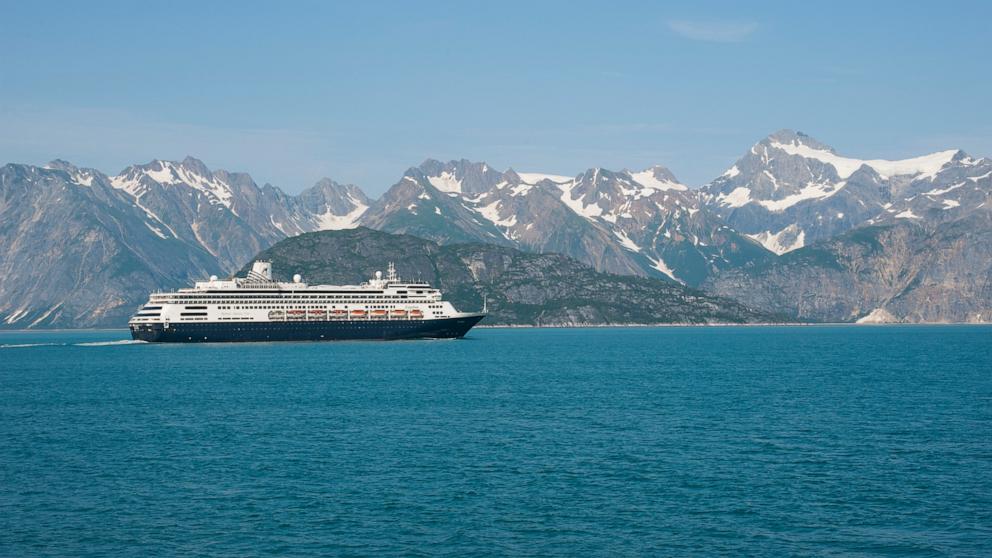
point(213, 277)
point(378, 275)
point(297, 278)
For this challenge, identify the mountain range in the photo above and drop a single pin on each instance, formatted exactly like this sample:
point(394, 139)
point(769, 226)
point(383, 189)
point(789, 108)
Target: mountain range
point(792, 227)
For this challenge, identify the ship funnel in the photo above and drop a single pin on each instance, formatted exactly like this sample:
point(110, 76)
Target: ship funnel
point(263, 269)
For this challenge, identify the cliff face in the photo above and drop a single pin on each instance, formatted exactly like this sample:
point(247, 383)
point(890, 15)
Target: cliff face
point(895, 272)
point(74, 253)
point(79, 248)
point(520, 287)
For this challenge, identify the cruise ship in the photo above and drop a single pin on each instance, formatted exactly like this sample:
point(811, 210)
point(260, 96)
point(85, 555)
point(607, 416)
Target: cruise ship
point(257, 308)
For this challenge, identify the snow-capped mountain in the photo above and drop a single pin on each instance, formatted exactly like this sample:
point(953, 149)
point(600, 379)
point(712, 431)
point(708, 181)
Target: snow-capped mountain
point(790, 190)
point(792, 222)
point(924, 253)
point(227, 213)
point(82, 248)
point(75, 252)
point(953, 192)
point(640, 223)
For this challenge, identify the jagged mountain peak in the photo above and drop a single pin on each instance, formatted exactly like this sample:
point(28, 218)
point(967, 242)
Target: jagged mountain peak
point(60, 164)
point(790, 189)
point(193, 164)
point(461, 176)
point(330, 185)
point(658, 171)
point(658, 178)
point(792, 137)
point(77, 175)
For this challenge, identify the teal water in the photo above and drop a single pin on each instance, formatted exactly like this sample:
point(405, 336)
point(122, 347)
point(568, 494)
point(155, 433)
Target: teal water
point(765, 441)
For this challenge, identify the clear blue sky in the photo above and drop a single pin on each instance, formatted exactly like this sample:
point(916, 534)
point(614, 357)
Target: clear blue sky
point(359, 91)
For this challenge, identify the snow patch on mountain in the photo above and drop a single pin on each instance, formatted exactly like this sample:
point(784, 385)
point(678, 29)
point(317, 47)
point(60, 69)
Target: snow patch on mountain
point(779, 242)
point(446, 182)
point(812, 191)
point(659, 264)
point(82, 178)
point(521, 190)
point(942, 191)
point(590, 211)
point(740, 196)
point(926, 165)
point(731, 172)
point(491, 213)
point(648, 179)
point(626, 241)
point(535, 177)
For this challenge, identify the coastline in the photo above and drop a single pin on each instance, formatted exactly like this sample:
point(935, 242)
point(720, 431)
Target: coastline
point(596, 326)
point(726, 324)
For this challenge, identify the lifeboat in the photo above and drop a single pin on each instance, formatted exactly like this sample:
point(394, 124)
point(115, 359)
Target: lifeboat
point(379, 313)
point(317, 313)
point(339, 313)
point(416, 314)
point(296, 314)
point(358, 312)
point(276, 314)
point(399, 312)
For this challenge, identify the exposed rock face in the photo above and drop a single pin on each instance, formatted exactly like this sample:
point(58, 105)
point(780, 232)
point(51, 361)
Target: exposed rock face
point(637, 223)
point(922, 254)
point(74, 253)
point(520, 287)
point(227, 213)
point(81, 249)
point(899, 272)
point(787, 228)
point(790, 190)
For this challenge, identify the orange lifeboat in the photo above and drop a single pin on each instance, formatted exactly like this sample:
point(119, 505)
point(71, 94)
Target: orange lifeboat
point(416, 314)
point(317, 313)
point(358, 312)
point(339, 313)
point(399, 312)
point(296, 314)
point(378, 313)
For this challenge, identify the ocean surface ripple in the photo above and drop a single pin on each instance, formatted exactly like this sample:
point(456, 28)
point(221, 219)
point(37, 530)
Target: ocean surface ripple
point(768, 441)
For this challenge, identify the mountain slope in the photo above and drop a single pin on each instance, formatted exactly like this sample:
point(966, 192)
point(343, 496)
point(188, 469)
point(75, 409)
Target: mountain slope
point(637, 223)
point(228, 214)
point(174, 221)
point(790, 190)
point(74, 253)
point(919, 250)
point(520, 287)
point(898, 271)
point(81, 249)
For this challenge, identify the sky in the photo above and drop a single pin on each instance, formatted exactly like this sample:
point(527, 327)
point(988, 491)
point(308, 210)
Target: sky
point(360, 91)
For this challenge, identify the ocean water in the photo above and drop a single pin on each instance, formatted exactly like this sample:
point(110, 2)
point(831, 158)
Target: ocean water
point(757, 441)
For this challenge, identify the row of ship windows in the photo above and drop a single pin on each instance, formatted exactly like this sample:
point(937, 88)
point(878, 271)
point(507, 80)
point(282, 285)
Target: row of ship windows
point(303, 301)
point(214, 298)
point(317, 306)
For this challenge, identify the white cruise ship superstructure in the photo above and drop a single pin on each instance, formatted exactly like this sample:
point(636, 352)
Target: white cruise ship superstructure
point(257, 308)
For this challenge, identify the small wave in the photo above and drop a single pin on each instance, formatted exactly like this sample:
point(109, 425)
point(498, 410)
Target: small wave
point(111, 343)
point(24, 345)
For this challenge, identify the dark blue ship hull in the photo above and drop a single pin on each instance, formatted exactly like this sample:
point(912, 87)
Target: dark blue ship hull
point(217, 332)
